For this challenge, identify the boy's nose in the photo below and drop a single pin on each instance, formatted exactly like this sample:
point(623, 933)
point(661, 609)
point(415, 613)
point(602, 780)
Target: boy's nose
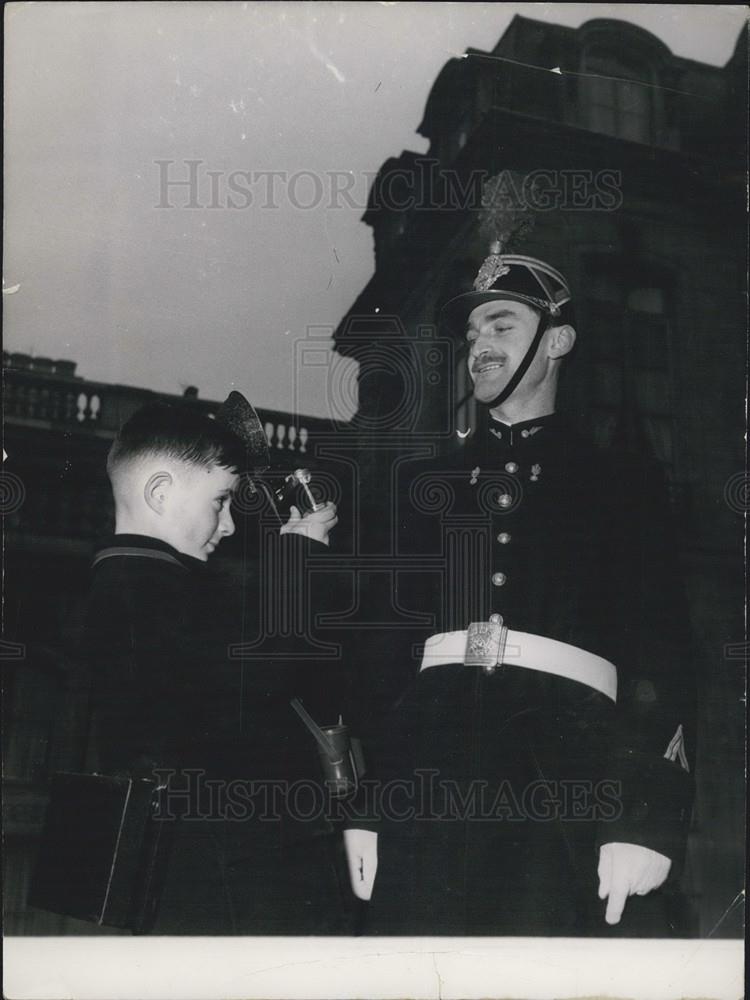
point(226, 524)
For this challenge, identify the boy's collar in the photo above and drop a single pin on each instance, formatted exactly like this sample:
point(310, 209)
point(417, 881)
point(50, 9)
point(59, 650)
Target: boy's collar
point(148, 542)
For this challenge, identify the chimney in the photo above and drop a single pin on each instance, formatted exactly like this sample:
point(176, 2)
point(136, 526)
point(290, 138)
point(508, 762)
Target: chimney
point(18, 360)
point(65, 368)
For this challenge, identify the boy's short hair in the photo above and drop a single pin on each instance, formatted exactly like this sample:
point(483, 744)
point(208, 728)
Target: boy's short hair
point(182, 434)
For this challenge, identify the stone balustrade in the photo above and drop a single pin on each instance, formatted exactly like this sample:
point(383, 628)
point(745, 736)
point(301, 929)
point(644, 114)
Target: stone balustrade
point(44, 397)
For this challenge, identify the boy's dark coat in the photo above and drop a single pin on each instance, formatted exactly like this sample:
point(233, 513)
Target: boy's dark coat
point(167, 695)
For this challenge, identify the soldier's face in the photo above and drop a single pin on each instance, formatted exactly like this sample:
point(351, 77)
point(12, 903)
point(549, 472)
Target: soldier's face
point(499, 335)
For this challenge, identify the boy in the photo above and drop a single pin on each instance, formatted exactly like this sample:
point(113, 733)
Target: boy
point(165, 695)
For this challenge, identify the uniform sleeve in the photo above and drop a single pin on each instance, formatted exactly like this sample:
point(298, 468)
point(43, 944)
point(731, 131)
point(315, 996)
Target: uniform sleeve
point(652, 739)
point(291, 651)
point(388, 661)
point(288, 651)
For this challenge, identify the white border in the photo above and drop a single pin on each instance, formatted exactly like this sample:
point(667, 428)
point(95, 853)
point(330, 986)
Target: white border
point(445, 968)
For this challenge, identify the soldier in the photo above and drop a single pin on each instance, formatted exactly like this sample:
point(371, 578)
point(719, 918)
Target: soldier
point(534, 778)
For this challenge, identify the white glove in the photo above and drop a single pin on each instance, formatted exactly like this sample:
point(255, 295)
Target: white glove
point(315, 524)
point(362, 857)
point(627, 870)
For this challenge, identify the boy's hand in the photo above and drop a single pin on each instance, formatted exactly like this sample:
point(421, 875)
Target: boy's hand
point(315, 524)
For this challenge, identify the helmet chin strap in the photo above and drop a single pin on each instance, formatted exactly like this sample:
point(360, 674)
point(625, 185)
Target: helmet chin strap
point(524, 366)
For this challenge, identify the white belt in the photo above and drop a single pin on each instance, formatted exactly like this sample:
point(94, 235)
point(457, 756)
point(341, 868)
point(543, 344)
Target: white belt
point(490, 644)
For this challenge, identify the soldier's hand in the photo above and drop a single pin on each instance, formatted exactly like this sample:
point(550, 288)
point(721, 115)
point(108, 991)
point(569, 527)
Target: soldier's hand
point(315, 524)
point(627, 870)
point(362, 859)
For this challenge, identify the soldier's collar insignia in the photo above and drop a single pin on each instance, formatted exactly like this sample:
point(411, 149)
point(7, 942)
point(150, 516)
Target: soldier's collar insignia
point(676, 749)
point(498, 434)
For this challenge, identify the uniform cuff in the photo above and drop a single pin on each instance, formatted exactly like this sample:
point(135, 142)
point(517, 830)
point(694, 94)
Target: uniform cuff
point(656, 798)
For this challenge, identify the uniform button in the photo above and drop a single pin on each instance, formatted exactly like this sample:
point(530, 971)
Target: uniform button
point(499, 579)
point(504, 500)
point(503, 537)
point(511, 467)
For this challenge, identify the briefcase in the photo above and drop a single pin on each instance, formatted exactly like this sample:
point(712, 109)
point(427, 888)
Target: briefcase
point(103, 851)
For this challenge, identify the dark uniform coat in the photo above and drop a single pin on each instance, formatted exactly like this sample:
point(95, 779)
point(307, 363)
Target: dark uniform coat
point(167, 695)
point(503, 785)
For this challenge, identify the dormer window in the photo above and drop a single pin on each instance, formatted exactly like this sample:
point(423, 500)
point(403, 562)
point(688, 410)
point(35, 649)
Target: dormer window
point(617, 96)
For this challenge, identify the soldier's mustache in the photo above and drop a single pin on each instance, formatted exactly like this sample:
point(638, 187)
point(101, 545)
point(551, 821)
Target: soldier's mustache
point(487, 359)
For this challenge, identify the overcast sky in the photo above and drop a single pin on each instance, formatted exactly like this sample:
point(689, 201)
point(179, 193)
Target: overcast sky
point(221, 297)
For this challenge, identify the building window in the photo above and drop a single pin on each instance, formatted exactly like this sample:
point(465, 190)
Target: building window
point(628, 326)
point(615, 97)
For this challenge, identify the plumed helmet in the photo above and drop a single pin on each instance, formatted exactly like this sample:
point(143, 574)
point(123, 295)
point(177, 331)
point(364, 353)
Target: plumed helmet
point(510, 276)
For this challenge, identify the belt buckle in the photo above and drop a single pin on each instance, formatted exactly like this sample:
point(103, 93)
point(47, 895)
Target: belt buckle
point(485, 644)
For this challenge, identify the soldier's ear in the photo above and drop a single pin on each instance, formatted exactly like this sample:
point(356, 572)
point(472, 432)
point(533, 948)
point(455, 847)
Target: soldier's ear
point(561, 341)
point(156, 491)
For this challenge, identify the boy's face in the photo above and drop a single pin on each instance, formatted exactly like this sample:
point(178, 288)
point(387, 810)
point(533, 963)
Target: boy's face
point(198, 509)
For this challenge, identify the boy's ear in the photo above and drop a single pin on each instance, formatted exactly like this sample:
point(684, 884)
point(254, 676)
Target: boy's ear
point(562, 339)
point(156, 491)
